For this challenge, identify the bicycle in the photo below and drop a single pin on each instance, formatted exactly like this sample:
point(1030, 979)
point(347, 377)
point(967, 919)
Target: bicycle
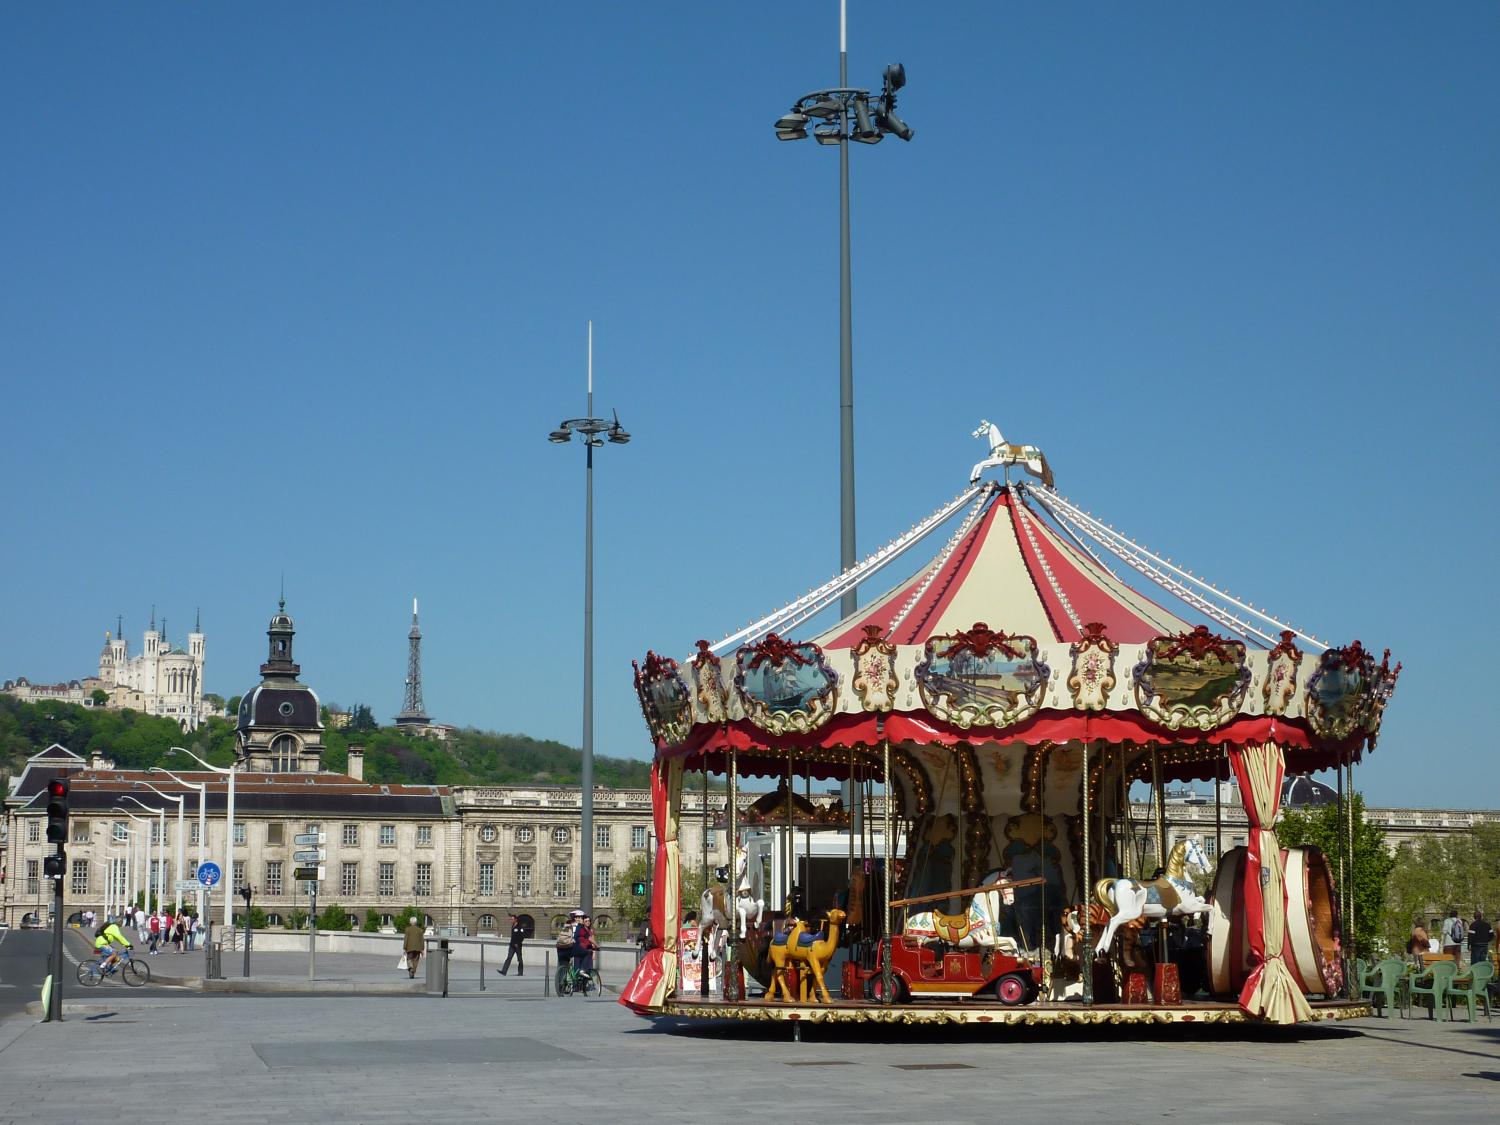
point(134, 973)
point(573, 981)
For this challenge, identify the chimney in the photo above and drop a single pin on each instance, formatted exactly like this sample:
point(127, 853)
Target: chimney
point(357, 763)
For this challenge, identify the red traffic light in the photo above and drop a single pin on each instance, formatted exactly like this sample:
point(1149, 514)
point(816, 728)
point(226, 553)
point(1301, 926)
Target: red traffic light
point(57, 810)
point(57, 787)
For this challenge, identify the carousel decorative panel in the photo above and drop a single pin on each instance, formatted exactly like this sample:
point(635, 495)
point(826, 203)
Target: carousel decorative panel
point(981, 677)
point(665, 701)
point(1093, 675)
point(1281, 675)
point(708, 674)
point(1195, 679)
point(1347, 691)
point(785, 686)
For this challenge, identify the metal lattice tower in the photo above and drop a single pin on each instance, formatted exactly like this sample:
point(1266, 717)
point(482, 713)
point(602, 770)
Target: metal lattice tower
point(412, 713)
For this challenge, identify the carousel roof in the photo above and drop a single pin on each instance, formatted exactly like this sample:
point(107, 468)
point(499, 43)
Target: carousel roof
point(1020, 628)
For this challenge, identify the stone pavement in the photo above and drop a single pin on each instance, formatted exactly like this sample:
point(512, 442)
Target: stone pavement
point(508, 1054)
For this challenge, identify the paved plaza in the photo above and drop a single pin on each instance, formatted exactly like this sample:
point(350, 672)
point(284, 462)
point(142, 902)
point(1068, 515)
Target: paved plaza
point(510, 1054)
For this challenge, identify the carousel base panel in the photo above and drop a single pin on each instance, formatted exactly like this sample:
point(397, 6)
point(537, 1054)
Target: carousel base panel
point(1207, 1012)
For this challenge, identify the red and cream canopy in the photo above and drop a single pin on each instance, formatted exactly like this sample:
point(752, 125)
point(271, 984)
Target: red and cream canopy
point(1018, 632)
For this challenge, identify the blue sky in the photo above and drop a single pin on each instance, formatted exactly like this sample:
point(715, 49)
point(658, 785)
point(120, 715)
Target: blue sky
point(301, 289)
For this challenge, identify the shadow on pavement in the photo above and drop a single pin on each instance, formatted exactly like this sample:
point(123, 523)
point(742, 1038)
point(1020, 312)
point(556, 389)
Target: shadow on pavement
point(779, 1031)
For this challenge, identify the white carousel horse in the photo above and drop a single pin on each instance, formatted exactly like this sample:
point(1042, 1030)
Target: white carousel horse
point(749, 891)
point(714, 919)
point(1172, 894)
point(1005, 453)
point(977, 927)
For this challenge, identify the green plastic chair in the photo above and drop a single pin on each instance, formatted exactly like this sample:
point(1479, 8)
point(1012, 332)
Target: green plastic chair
point(1439, 976)
point(1361, 971)
point(1381, 985)
point(1472, 986)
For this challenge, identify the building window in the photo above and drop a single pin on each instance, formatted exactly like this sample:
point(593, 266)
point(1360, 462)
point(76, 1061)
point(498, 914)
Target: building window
point(33, 877)
point(523, 880)
point(273, 878)
point(79, 885)
point(349, 878)
point(637, 836)
point(486, 878)
point(487, 924)
point(275, 833)
point(314, 828)
point(239, 833)
point(156, 834)
point(560, 880)
point(424, 879)
point(601, 836)
point(559, 835)
point(601, 880)
point(424, 835)
point(192, 833)
point(387, 879)
point(387, 835)
point(523, 834)
point(488, 833)
point(351, 836)
point(81, 832)
point(34, 832)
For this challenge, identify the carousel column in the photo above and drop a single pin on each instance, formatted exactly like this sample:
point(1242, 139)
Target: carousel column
point(731, 961)
point(1163, 951)
point(704, 949)
point(886, 928)
point(1271, 992)
point(1349, 939)
point(1086, 966)
point(791, 842)
point(1340, 799)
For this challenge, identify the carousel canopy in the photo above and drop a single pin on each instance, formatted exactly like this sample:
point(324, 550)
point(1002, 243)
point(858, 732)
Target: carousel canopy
point(1020, 629)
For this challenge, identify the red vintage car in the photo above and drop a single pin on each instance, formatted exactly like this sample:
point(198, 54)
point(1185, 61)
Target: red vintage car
point(932, 970)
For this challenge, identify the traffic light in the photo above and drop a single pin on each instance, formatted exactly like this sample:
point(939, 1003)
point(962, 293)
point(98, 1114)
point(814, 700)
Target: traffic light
point(54, 866)
point(638, 887)
point(57, 811)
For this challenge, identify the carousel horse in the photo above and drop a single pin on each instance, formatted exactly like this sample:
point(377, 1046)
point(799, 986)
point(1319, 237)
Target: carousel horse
point(715, 921)
point(1128, 900)
point(782, 943)
point(1007, 453)
point(976, 927)
point(816, 950)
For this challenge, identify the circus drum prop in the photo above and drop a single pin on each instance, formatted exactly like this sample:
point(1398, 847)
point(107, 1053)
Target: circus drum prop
point(940, 779)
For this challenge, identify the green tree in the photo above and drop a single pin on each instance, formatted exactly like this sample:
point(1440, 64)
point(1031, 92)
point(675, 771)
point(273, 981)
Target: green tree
point(335, 918)
point(372, 922)
point(362, 719)
point(1438, 873)
point(297, 919)
point(1372, 864)
point(99, 696)
point(257, 918)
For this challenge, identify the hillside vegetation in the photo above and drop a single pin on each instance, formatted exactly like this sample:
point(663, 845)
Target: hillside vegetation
point(469, 757)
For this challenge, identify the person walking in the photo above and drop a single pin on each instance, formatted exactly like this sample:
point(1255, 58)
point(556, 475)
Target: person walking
point(1454, 932)
point(517, 937)
point(414, 941)
point(1481, 933)
point(155, 924)
point(193, 927)
point(179, 932)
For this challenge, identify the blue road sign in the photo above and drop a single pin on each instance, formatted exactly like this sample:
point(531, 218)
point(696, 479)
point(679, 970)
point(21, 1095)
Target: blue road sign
point(209, 874)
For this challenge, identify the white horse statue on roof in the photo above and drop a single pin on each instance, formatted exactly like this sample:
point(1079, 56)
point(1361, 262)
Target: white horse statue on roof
point(1004, 454)
point(1171, 894)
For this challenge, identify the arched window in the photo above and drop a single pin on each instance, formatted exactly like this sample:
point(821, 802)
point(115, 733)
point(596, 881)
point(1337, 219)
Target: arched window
point(487, 924)
point(284, 749)
point(273, 920)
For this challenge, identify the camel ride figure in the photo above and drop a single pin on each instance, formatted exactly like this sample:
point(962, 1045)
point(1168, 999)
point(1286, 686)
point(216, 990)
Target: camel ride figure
point(1172, 894)
point(816, 950)
point(780, 953)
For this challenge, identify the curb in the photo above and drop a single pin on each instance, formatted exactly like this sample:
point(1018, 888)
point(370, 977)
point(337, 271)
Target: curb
point(367, 988)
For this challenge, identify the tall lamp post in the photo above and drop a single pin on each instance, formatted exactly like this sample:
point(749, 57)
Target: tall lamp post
point(142, 846)
point(161, 850)
point(228, 835)
point(181, 839)
point(201, 786)
point(837, 117)
point(594, 431)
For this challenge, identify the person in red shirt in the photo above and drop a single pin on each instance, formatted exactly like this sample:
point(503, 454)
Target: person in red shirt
point(584, 943)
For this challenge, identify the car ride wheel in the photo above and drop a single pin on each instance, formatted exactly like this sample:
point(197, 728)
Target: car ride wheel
point(1013, 989)
point(899, 994)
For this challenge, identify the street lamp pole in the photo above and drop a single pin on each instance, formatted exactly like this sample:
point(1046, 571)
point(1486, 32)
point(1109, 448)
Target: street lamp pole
point(590, 428)
point(843, 115)
point(181, 840)
point(201, 786)
point(161, 851)
point(228, 835)
point(143, 853)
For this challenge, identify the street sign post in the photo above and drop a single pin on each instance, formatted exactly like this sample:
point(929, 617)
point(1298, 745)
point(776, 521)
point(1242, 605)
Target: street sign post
point(311, 855)
point(310, 839)
point(308, 874)
point(209, 874)
point(187, 885)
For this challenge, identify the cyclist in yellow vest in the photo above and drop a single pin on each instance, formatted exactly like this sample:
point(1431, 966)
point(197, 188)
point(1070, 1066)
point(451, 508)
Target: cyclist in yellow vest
point(111, 941)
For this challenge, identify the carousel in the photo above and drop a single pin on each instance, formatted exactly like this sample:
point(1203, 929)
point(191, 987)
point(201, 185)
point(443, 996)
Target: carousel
point(977, 737)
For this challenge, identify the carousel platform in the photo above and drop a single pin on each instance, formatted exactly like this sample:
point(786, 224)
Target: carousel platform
point(979, 1012)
